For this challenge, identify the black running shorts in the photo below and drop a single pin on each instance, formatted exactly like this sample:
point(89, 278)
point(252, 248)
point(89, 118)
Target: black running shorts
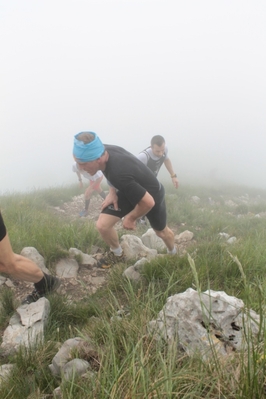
point(2, 228)
point(156, 216)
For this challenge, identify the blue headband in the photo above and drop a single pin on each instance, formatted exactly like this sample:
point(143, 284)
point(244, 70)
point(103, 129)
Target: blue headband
point(90, 151)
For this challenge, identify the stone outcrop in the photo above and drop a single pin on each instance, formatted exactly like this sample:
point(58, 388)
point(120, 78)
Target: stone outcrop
point(133, 272)
point(134, 248)
point(74, 368)
point(67, 268)
point(206, 322)
point(151, 240)
point(32, 254)
point(63, 356)
point(26, 326)
point(85, 259)
point(185, 236)
point(68, 367)
point(195, 199)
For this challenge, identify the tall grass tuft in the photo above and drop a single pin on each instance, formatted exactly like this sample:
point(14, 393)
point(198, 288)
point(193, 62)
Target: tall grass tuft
point(8, 305)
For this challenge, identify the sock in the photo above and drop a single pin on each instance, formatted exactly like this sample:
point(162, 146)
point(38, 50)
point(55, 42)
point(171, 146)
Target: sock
point(45, 283)
point(117, 251)
point(172, 252)
point(87, 203)
point(103, 195)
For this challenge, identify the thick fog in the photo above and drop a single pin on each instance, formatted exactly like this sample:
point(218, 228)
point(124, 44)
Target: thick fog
point(192, 71)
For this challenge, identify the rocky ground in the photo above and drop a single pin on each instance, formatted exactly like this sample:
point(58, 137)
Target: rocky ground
point(71, 209)
point(89, 278)
point(87, 282)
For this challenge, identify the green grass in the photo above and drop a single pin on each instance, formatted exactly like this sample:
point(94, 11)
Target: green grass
point(31, 222)
point(132, 363)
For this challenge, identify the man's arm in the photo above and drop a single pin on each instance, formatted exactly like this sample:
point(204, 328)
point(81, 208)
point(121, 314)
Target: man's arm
point(80, 179)
point(143, 206)
point(169, 167)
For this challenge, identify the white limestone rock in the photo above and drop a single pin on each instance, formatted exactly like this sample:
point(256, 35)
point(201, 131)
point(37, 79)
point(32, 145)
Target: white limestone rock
point(63, 356)
point(26, 326)
point(151, 240)
point(134, 248)
point(206, 322)
point(75, 368)
point(185, 236)
point(231, 240)
point(32, 254)
point(67, 268)
point(85, 258)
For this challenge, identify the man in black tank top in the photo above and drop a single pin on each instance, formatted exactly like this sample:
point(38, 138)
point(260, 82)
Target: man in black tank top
point(154, 164)
point(134, 190)
point(156, 155)
point(153, 157)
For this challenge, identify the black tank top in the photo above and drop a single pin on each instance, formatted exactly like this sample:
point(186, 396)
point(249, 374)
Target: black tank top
point(154, 165)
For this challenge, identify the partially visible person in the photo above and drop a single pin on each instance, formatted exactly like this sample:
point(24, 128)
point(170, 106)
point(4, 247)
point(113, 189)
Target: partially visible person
point(22, 268)
point(95, 185)
point(134, 191)
point(157, 154)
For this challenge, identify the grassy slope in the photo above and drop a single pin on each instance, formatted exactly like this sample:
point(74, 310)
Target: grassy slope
point(131, 364)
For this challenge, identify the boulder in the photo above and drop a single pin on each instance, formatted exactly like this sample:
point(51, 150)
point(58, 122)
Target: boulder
point(185, 236)
point(67, 268)
point(151, 240)
point(201, 323)
point(26, 326)
point(195, 199)
point(134, 248)
point(133, 272)
point(32, 254)
point(75, 368)
point(63, 356)
point(85, 258)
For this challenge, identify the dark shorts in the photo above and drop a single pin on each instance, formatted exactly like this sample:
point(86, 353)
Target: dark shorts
point(156, 216)
point(2, 228)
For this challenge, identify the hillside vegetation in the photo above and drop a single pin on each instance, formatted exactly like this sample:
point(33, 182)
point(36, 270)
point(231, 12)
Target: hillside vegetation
point(131, 364)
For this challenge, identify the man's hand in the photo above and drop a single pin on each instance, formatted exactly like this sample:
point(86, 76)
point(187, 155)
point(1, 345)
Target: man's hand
point(80, 184)
point(175, 182)
point(142, 208)
point(129, 223)
point(169, 167)
point(110, 199)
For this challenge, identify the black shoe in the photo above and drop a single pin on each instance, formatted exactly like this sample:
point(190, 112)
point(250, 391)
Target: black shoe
point(109, 259)
point(37, 294)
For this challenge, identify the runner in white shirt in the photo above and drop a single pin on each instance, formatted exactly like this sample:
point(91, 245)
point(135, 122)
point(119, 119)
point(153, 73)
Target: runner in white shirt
point(95, 185)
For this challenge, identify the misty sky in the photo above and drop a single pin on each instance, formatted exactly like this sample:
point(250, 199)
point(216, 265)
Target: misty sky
point(192, 71)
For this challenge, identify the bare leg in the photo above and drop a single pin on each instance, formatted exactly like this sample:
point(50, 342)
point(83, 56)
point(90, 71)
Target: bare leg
point(167, 236)
point(101, 192)
point(88, 192)
point(105, 225)
point(18, 266)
